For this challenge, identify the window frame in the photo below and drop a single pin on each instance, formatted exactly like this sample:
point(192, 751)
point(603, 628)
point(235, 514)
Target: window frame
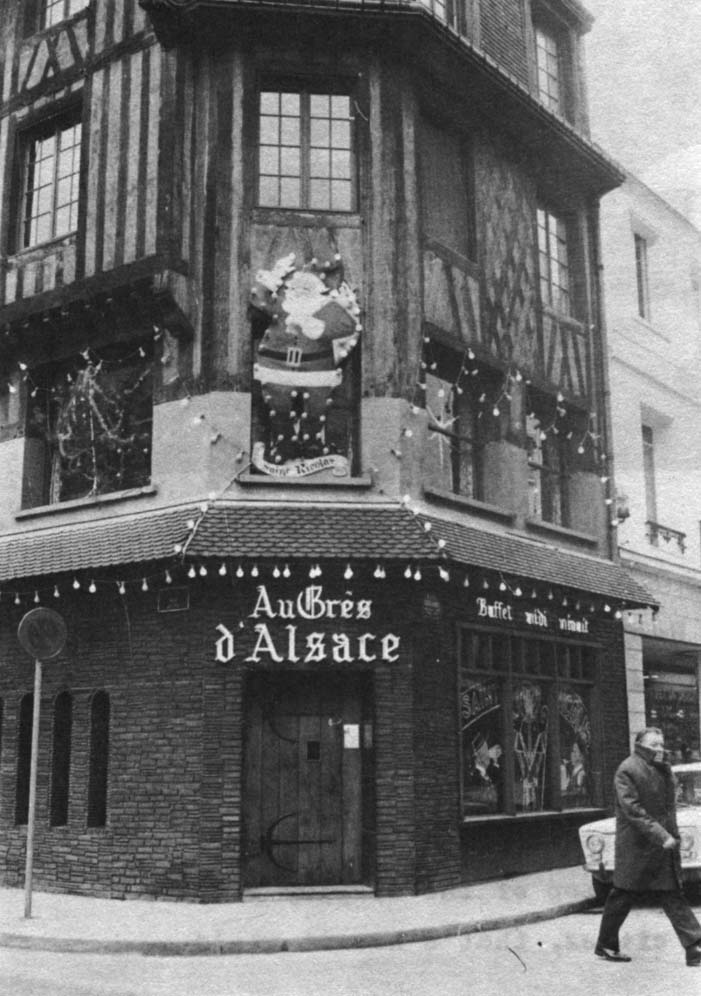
point(466, 442)
point(649, 474)
point(548, 47)
point(555, 294)
point(553, 468)
point(61, 759)
point(509, 678)
point(98, 760)
point(305, 89)
point(52, 126)
point(642, 275)
point(43, 480)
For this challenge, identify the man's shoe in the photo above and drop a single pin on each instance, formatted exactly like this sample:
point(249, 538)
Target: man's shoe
point(693, 955)
point(610, 955)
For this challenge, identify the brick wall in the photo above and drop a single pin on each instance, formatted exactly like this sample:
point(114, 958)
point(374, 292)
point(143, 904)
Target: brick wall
point(175, 765)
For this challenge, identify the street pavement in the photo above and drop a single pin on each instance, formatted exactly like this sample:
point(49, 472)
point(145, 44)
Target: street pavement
point(546, 958)
point(265, 925)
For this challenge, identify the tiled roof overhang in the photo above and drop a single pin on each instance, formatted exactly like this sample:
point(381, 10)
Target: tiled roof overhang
point(537, 561)
point(276, 530)
point(224, 530)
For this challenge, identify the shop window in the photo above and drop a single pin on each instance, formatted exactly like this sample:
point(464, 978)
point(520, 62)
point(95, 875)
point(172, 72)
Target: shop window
point(526, 734)
point(61, 759)
point(50, 179)
point(554, 261)
point(447, 208)
point(89, 426)
point(24, 759)
point(641, 277)
point(306, 150)
point(99, 758)
point(549, 457)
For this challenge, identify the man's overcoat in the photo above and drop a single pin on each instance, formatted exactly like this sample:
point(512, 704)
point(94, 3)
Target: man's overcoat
point(645, 816)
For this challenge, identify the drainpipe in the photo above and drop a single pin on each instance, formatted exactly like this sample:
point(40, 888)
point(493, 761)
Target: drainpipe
point(600, 371)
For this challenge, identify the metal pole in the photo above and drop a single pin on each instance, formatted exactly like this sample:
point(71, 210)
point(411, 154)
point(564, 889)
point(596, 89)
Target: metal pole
point(32, 791)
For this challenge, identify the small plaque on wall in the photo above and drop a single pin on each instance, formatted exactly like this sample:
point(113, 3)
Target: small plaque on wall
point(173, 599)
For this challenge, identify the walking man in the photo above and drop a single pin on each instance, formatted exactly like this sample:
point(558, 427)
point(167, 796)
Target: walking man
point(647, 849)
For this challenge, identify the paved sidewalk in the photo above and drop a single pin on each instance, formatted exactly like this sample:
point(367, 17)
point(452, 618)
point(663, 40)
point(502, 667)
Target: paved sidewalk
point(272, 924)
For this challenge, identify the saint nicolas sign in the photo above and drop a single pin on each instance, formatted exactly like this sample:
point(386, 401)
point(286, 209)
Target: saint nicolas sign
point(281, 632)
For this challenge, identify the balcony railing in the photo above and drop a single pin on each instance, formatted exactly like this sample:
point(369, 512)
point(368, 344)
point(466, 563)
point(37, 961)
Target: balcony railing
point(655, 531)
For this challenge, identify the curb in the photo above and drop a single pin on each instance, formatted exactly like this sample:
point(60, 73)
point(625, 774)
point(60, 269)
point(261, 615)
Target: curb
point(278, 945)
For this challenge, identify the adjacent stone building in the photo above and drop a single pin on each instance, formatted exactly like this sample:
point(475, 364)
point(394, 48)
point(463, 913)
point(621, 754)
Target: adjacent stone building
point(652, 256)
point(304, 432)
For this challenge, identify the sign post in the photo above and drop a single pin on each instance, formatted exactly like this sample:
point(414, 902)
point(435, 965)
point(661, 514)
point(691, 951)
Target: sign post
point(42, 633)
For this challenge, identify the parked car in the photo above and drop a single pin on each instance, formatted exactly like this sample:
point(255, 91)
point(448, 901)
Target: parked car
point(597, 838)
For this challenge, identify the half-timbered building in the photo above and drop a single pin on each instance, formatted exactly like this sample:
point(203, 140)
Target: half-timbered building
point(303, 431)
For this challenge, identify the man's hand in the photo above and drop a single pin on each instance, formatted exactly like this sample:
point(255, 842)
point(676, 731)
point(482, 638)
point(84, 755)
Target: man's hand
point(670, 844)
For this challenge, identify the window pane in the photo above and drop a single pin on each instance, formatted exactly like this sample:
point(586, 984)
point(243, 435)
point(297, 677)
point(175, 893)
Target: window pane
point(320, 132)
point(289, 162)
point(289, 193)
point(319, 105)
point(481, 727)
point(289, 104)
point(575, 748)
point(340, 165)
point(289, 131)
point(269, 161)
point(530, 733)
point(319, 195)
point(341, 134)
point(269, 103)
point(341, 195)
point(319, 163)
point(268, 193)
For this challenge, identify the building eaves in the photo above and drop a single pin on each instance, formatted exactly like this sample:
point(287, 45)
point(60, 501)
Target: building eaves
point(222, 530)
point(538, 562)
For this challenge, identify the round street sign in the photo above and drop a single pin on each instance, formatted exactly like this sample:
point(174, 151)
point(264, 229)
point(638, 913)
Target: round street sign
point(42, 633)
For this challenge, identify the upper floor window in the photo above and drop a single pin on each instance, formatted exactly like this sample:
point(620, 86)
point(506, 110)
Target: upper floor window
point(548, 471)
point(89, 426)
point(54, 11)
point(554, 261)
point(50, 173)
point(648, 438)
point(548, 68)
point(456, 428)
point(305, 152)
point(447, 208)
point(641, 277)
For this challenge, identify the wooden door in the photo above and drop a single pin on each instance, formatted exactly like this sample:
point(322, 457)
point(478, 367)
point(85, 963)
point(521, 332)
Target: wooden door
point(306, 735)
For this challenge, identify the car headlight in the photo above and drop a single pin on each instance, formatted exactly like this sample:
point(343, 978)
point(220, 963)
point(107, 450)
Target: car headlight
point(686, 843)
point(595, 844)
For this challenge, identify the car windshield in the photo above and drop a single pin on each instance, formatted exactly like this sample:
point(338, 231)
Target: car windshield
point(688, 787)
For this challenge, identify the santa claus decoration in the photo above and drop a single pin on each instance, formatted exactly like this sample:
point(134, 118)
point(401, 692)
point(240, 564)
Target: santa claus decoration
point(311, 322)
